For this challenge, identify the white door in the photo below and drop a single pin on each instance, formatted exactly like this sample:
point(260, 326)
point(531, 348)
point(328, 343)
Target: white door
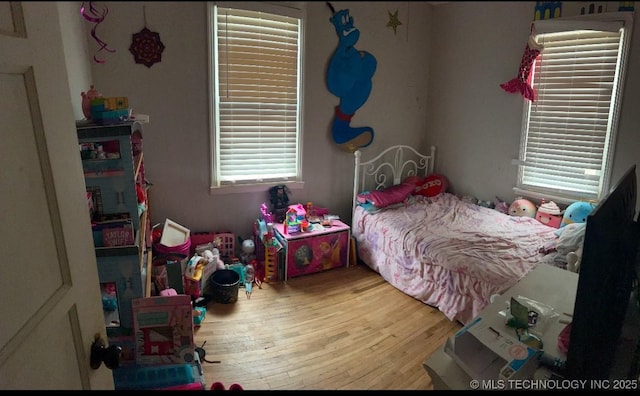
point(50, 305)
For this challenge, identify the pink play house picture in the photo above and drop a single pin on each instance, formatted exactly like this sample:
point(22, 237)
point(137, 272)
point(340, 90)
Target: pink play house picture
point(163, 329)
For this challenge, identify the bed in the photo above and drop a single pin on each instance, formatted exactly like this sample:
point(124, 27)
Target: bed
point(442, 250)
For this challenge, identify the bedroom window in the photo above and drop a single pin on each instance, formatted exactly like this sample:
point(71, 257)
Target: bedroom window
point(569, 131)
point(255, 73)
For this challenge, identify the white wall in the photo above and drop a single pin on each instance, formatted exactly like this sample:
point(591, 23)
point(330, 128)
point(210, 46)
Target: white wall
point(437, 82)
point(174, 94)
point(473, 122)
point(76, 53)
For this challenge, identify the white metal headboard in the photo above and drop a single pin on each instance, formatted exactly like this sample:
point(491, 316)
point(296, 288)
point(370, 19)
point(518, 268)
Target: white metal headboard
point(390, 167)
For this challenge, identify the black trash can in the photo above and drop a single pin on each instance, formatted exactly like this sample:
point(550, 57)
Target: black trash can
point(223, 286)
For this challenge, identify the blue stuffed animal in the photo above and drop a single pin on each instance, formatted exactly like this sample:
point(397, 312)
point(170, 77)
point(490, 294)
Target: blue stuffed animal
point(577, 212)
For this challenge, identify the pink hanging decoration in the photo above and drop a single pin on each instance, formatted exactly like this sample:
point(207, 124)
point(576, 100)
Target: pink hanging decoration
point(521, 83)
point(92, 15)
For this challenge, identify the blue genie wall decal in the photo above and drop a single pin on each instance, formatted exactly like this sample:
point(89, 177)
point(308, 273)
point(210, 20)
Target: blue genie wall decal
point(349, 78)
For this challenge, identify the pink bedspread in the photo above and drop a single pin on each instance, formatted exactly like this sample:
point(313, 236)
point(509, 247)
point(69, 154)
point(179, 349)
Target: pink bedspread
point(448, 253)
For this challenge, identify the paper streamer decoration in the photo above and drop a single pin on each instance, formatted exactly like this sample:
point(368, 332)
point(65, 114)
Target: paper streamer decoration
point(94, 16)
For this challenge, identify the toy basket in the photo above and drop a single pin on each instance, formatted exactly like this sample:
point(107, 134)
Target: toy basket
point(226, 245)
point(223, 286)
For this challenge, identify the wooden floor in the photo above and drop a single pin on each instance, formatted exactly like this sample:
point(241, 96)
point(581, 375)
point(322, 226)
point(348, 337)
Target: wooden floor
point(340, 329)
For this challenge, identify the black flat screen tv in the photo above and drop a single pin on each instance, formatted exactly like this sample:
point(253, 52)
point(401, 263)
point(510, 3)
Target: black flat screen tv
point(599, 347)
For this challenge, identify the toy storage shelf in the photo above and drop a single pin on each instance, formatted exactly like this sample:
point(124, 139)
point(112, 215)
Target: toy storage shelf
point(113, 165)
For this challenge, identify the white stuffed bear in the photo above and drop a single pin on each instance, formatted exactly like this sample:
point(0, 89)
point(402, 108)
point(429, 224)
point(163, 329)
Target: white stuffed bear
point(215, 263)
point(573, 260)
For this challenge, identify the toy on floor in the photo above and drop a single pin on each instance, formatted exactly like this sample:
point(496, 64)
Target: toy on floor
point(214, 263)
point(249, 277)
point(258, 278)
point(199, 314)
point(248, 249)
point(193, 275)
point(168, 292)
point(219, 386)
point(202, 353)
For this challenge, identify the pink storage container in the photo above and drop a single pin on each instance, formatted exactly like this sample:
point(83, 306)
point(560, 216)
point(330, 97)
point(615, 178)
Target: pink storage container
point(184, 248)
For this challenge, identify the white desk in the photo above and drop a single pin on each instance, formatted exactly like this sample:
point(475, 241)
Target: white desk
point(546, 284)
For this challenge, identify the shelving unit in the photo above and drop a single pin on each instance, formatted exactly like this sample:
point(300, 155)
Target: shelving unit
point(113, 165)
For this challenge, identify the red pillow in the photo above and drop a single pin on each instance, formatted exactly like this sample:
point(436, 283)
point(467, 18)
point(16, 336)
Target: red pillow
point(431, 185)
point(390, 195)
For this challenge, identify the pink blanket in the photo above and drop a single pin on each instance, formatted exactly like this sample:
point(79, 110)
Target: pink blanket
point(448, 253)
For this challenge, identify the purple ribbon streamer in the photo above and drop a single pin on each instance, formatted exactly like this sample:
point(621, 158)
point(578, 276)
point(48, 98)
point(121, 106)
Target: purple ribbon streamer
point(97, 18)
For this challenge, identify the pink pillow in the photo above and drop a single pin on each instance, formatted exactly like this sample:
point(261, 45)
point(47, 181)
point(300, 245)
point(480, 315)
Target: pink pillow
point(389, 196)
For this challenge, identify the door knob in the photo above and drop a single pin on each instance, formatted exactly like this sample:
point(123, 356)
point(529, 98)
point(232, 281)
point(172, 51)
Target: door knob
point(109, 355)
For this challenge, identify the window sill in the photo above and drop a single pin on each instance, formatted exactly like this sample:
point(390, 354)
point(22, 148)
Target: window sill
point(252, 188)
point(547, 197)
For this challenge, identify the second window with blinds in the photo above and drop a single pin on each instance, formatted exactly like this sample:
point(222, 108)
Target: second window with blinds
point(255, 69)
point(569, 130)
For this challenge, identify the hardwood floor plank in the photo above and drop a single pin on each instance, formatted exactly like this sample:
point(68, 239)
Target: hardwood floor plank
point(345, 328)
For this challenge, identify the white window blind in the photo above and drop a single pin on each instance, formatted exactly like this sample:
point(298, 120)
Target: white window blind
point(257, 65)
point(569, 130)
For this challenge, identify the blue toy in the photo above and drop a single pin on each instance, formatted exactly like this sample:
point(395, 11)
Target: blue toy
point(349, 77)
point(198, 314)
point(577, 212)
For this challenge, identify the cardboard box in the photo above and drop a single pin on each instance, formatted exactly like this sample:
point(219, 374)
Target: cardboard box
point(486, 353)
point(163, 329)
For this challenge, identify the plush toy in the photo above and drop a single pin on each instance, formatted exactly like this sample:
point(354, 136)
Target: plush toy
point(569, 246)
point(500, 205)
point(573, 260)
point(577, 212)
point(521, 82)
point(549, 214)
point(523, 208)
point(215, 263)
